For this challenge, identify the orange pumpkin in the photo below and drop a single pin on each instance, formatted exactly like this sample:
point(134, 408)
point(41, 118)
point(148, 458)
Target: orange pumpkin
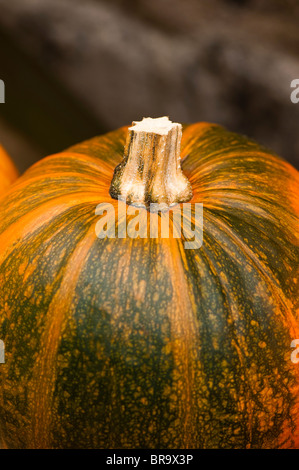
point(8, 171)
point(139, 342)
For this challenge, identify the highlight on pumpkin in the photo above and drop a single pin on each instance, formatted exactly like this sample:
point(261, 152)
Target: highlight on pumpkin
point(8, 171)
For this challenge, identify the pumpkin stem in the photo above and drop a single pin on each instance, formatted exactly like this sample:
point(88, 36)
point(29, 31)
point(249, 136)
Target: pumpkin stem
point(150, 172)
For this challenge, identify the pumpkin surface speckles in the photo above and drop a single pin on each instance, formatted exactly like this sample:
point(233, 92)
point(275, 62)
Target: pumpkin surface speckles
point(140, 343)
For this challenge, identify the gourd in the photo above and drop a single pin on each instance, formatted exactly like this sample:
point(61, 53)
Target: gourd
point(123, 342)
point(8, 171)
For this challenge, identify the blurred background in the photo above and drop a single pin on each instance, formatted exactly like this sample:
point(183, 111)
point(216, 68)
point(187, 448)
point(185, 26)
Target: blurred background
point(78, 68)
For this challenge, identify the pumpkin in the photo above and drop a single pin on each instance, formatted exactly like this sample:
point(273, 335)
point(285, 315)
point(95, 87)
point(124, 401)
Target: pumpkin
point(140, 342)
point(8, 171)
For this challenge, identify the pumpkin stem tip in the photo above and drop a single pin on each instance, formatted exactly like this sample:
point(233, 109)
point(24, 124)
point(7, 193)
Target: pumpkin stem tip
point(150, 172)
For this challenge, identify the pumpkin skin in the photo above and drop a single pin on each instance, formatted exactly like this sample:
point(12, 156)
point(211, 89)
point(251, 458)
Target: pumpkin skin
point(122, 343)
point(8, 171)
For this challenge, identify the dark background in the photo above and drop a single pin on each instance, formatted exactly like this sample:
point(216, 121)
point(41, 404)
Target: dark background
point(77, 68)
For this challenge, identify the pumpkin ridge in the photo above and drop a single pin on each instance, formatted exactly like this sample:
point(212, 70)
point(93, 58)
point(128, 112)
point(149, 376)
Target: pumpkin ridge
point(93, 184)
point(260, 266)
point(40, 258)
point(91, 162)
point(235, 165)
point(41, 211)
point(239, 195)
point(208, 334)
point(192, 133)
point(255, 381)
point(43, 382)
point(108, 146)
point(227, 203)
point(183, 331)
